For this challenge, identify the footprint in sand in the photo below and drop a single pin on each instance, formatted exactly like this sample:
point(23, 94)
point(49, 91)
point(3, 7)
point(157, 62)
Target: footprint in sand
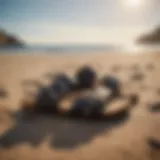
point(116, 68)
point(150, 67)
point(154, 145)
point(138, 76)
point(154, 107)
point(135, 67)
point(158, 91)
point(3, 93)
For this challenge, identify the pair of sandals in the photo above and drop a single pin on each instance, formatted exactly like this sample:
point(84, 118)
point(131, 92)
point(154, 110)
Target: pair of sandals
point(59, 97)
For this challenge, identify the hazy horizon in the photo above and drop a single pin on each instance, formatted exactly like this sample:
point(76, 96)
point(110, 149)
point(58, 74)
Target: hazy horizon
point(79, 22)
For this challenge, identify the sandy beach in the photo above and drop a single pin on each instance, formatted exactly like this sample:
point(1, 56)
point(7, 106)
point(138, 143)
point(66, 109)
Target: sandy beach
point(61, 139)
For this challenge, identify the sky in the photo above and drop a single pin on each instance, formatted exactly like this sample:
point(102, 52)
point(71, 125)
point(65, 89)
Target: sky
point(79, 21)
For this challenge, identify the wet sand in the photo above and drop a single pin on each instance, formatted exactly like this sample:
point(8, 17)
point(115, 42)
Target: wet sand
point(56, 138)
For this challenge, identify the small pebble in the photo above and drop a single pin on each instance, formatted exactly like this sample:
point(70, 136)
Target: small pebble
point(154, 144)
point(134, 99)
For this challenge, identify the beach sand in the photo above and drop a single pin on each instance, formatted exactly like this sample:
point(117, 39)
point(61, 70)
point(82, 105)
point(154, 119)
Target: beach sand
point(61, 139)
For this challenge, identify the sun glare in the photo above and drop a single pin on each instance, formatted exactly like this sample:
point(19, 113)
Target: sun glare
point(133, 3)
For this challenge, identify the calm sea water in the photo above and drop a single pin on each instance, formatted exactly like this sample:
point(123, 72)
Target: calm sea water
point(76, 49)
point(53, 49)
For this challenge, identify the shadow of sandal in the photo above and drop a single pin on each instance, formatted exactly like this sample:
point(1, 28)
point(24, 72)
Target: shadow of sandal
point(64, 133)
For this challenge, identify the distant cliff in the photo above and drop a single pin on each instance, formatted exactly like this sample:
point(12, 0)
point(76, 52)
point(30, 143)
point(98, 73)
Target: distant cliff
point(9, 40)
point(150, 38)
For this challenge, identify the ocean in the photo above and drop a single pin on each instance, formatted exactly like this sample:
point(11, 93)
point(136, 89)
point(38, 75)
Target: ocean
point(77, 49)
point(59, 49)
